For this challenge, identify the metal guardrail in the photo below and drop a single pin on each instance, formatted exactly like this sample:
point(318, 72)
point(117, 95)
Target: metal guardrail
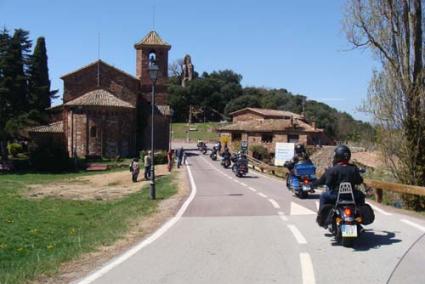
point(377, 185)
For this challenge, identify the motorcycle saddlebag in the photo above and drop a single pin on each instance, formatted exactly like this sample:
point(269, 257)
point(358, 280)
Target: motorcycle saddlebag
point(367, 214)
point(324, 216)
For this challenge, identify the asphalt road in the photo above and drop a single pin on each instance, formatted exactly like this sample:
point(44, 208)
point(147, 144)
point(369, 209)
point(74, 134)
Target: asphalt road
point(252, 230)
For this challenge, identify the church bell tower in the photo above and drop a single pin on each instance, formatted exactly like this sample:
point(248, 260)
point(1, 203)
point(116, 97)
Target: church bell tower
point(152, 45)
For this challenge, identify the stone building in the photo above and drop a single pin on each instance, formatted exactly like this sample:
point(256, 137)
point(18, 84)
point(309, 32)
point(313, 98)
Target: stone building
point(268, 126)
point(106, 111)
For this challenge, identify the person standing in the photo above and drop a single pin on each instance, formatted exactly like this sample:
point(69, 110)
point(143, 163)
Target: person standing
point(180, 155)
point(134, 169)
point(148, 164)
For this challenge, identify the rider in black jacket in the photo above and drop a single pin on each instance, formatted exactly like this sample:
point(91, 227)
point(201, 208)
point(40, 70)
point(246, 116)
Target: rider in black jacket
point(342, 171)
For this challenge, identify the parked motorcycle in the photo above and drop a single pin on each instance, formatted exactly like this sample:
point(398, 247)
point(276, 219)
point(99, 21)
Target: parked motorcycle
point(301, 179)
point(347, 217)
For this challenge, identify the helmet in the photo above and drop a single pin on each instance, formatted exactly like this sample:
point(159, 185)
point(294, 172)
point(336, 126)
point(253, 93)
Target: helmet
point(299, 148)
point(342, 153)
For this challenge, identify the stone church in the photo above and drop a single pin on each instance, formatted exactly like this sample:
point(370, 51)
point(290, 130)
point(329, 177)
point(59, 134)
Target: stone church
point(106, 112)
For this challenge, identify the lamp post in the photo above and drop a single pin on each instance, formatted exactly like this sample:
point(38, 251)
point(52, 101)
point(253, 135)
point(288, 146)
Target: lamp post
point(153, 74)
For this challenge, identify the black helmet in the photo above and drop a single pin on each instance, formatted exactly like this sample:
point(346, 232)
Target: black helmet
point(299, 149)
point(342, 153)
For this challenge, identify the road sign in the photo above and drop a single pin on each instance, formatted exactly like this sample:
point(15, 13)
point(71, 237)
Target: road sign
point(283, 152)
point(244, 146)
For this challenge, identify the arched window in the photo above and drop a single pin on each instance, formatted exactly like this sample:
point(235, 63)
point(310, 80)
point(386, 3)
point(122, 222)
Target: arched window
point(93, 132)
point(152, 57)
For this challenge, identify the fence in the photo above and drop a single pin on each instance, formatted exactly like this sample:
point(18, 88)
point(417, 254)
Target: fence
point(377, 185)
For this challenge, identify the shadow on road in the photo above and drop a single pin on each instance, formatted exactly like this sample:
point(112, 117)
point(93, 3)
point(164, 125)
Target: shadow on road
point(250, 177)
point(313, 196)
point(372, 240)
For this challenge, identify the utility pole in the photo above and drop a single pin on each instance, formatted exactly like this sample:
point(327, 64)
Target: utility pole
point(189, 124)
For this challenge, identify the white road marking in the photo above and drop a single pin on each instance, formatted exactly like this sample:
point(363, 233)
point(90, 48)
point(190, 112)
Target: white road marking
point(376, 208)
point(300, 210)
point(262, 194)
point(252, 189)
point(243, 184)
point(307, 268)
point(162, 230)
point(274, 203)
point(282, 216)
point(317, 205)
point(417, 226)
point(297, 234)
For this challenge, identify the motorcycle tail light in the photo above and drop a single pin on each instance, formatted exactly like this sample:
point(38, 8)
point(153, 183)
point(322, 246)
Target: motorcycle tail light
point(348, 212)
point(305, 180)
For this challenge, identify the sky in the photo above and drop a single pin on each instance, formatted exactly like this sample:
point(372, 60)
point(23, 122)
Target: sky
point(297, 45)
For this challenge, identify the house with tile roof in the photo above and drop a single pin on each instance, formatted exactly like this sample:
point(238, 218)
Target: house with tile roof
point(268, 126)
point(106, 111)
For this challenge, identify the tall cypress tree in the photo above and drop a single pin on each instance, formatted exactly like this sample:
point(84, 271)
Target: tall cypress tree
point(5, 111)
point(39, 78)
point(16, 71)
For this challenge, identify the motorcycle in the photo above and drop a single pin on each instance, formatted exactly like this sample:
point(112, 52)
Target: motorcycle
point(225, 162)
point(213, 155)
point(240, 168)
point(202, 147)
point(301, 179)
point(347, 217)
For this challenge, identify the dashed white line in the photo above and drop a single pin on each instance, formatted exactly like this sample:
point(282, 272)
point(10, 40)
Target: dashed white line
point(262, 194)
point(417, 226)
point(297, 234)
point(376, 208)
point(317, 205)
point(132, 251)
point(252, 189)
point(274, 203)
point(282, 216)
point(307, 268)
point(243, 184)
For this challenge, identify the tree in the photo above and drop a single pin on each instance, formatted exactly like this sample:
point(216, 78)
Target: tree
point(39, 83)
point(5, 106)
point(393, 30)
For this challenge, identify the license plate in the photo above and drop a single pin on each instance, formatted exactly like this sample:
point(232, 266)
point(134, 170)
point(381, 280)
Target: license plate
point(306, 188)
point(349, 230)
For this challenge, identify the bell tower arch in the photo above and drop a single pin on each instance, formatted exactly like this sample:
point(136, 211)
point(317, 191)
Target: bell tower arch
point(152, 45)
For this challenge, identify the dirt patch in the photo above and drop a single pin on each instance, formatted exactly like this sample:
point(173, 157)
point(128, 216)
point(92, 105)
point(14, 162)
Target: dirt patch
point(369, 159)
point(139, 229)
point(323, 158)
point(107, 186)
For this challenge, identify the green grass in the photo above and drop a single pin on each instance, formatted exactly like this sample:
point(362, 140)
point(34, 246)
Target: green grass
point(37, 235)
point(205, 131)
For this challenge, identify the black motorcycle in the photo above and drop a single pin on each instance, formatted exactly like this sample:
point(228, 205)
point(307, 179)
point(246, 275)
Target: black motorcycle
point(240, 168)
point(347, 217)
point(225, 162)
point(213, 155)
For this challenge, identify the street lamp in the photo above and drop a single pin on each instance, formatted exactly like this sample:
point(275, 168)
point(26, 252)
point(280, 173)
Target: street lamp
point(153, 74)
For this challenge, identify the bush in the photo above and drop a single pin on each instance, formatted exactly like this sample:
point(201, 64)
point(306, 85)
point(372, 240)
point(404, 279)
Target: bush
point(259, 152)
point(14, 149)
point(49, 156)
point(159, 158)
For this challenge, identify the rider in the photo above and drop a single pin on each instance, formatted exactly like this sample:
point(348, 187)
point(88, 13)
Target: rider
point(226, 154)
point(342, 171)
point(301, 156)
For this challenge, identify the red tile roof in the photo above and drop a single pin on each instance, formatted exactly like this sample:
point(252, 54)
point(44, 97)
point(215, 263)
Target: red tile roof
point(99, 97)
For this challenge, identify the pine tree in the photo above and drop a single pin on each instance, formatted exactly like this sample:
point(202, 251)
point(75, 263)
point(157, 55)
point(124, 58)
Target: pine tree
point(40, 94)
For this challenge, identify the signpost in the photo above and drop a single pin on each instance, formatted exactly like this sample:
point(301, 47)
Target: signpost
point(244, 146)
point(283, 152)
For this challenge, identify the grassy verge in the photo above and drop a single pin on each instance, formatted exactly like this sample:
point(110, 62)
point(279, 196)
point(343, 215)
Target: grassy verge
point(36, 236)
point(204, 131)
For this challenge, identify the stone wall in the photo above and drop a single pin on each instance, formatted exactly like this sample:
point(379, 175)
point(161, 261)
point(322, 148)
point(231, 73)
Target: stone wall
point(101, 133)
